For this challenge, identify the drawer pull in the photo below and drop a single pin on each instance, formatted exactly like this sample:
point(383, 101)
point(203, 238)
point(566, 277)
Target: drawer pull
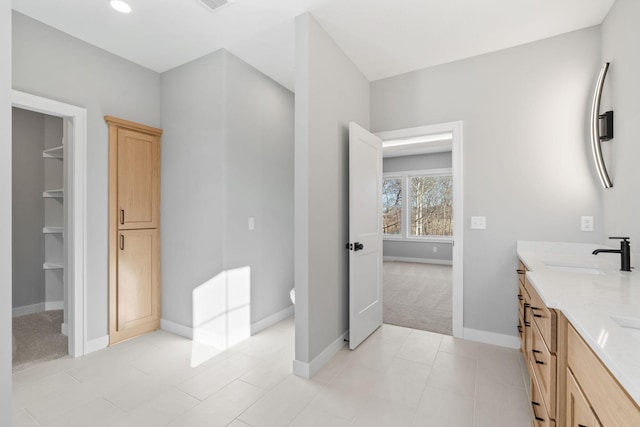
point(534, 351)
point(527, 324)
point(520, 271)
point(534, 309)
point(519, 328)
point(520, 297)
point(534, 404)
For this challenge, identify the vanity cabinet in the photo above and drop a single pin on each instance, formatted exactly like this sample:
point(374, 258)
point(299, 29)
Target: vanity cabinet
point(594, 397)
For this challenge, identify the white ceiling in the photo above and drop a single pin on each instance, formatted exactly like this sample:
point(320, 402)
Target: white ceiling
point(382, 37)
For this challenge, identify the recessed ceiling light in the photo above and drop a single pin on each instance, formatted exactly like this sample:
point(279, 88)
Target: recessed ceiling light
point(120, 6)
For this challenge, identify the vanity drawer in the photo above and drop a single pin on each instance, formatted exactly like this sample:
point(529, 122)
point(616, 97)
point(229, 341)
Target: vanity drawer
point(544, 365)
point(541, 416)
point(612, 405)
point(521, 272)
point(543, 317)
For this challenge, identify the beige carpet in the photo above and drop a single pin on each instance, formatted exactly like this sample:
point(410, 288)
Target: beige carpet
point(38, 339)
point(418, 296)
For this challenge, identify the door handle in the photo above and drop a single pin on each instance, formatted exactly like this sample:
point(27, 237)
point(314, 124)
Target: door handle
point(357, 246)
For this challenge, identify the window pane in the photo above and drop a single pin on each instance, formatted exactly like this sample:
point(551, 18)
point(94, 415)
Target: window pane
point(431, 206)
point(392, 205)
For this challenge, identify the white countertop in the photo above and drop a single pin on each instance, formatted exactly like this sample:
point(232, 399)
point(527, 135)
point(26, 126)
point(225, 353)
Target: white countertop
point(590, 299)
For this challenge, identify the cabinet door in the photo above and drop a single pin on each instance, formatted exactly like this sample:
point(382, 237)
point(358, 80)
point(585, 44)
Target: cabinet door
point(579, 413)
point(138, 287)
point(138, 179)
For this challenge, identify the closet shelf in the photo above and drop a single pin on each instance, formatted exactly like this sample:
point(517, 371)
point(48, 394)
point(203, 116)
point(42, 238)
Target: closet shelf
point(53, 265)
point(53, 230)
point(56, 194)
point(54, 153)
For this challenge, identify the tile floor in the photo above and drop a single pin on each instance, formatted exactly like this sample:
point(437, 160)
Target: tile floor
point(398, 377)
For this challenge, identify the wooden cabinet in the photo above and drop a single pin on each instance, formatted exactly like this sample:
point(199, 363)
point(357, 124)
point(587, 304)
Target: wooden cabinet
point(134, 229)
point(599, 390)
point(579, 413)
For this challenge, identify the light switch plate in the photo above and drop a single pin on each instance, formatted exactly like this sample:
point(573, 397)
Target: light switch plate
point(478, 222)
point(252, 223)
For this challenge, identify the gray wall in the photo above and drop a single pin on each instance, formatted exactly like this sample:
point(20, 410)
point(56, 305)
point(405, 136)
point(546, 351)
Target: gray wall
point(417, 250)
point(527, 162)
point(28, 207)
point(330, 92)
point(620, 35)
point(227, 156)
point(50, 63)
point(192, 180)
point(5, 213)
point(259, 178)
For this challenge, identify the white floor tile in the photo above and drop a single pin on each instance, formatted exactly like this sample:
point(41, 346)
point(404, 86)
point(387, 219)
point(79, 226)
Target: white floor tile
point(96, 413)
point(159, 411)
point(444, 408)
point(420, 347)
point(282, 404)
point(452, 372)
point(221, 408)
point(22, 418)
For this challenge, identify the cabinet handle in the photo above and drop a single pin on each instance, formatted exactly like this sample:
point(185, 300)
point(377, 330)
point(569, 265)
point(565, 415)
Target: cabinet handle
point(535, 359)
point(534, 309)
point(527, 324)
point(519, 328)
point(121, 216)
point(534, 404)
point(520, 271)
point(122, 242)
point(520, 297)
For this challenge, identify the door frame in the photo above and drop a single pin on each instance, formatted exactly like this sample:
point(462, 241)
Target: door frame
point(456, 129)
point(75, 122)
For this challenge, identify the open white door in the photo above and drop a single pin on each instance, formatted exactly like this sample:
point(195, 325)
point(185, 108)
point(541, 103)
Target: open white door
point(365, 234)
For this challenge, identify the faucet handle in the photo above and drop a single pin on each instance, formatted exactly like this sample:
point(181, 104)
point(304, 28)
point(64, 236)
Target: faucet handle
point(626, 239)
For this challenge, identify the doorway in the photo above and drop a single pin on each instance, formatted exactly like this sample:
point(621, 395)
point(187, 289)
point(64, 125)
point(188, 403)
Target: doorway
point(423, 283)
point(73, 124)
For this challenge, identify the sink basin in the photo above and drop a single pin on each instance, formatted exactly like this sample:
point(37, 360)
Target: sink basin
point(630, 324)
point(584, 269)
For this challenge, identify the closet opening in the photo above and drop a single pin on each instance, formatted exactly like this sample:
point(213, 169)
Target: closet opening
point(48, 228)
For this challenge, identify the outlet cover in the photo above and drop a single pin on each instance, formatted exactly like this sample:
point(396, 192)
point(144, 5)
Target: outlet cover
point(478, 222)
point(586, 223)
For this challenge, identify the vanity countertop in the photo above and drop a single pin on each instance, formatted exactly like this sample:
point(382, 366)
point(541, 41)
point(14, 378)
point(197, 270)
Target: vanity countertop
point(596, 297)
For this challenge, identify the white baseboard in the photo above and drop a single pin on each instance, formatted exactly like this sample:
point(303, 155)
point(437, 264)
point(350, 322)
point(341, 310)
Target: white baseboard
point(176, 328)
point(308, 370)
point(418, 260)
point(272, 320)
point(64, 329)
point(28, 309)
point(491, 338)
point(54, 305)
point(96, 344)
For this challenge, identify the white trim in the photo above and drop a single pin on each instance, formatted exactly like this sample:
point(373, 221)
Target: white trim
point(76, 118)
point(456, 128)
point(272, 320)
point(431, 239)
point(308, 370)
point(53, 305)
point(27, 309)
point(418, 260)
point(96, 344)
point(176, 328)
point(508, 341)
point(64, 329)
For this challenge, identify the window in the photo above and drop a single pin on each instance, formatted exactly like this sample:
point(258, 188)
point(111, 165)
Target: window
point(431, 205)
point(426, 211)
point(392, 205)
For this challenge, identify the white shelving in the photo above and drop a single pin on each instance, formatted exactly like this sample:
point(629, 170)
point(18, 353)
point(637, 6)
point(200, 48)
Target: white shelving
point(53, 265)
point(56, 194)
point(53, 230)
point(54, 153)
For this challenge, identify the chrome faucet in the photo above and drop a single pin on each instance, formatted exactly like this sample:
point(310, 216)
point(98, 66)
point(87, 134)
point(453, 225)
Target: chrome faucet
point(624, 251)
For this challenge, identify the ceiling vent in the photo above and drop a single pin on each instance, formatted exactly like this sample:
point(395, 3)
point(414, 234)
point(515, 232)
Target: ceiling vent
point(215, 4)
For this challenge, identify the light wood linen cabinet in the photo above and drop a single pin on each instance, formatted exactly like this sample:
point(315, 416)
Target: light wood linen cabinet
point(134, 229)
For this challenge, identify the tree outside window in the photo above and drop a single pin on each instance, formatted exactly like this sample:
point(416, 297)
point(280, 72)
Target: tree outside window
point(431, 205)
point(392, 206)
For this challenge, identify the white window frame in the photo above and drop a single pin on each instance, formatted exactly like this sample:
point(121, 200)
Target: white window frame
point(405, 235)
